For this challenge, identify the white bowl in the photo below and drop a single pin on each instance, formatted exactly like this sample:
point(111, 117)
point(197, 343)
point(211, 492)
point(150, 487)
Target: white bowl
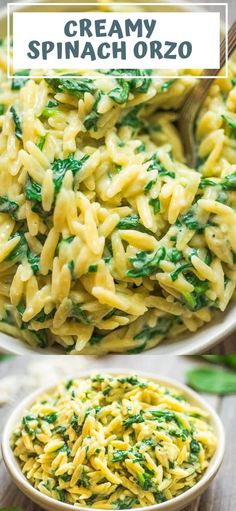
point(175, 504)
point(188, 344)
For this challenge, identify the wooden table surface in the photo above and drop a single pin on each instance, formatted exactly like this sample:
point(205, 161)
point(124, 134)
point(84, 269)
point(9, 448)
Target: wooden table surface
point(226, 347)
point(221, 495)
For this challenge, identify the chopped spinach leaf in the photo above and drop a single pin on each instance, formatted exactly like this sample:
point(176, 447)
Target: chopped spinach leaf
point(182, 268)
point(133, 419)
point(80, 314)
point(50, 109)
point(71, 266)
point(41, 338)
point(139, 349)
point(41, 143)
point(196, 299)
point(145, 480)
point(119, 456)
point(20, 251)
point(60, 430)
point(51, 417)
point(174, 255)
point(93, 268)
point(90, 121)
point(121, 93)
point(149, 185)
point(61, 495)
point(156, 205)
point(189, 219)
point(132, 222)
point(26, 424)
point(145, 263)
point(75, 86)
point(206, 182)
point(17, 122)
point(19, 79)
point(37, 208)
point(131, 119)
point(84, 479)
point(95, 339)
point(60, 167)
point(8, 206)
point(32, 190)
point(208, 258)
point(125, 503)
point(140, 148)
point(195, 446)
point(131, 380)
point(231, 123)
point(34, 261)
point(162, 327)
point(157, 165)
point(65, 477)
point(159, 497)
point(229, 182)
point(222, 197)
point(166, 85)
point(162, 414)
point(74, 424)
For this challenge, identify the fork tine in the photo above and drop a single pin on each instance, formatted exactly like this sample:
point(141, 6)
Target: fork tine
point(189, 111)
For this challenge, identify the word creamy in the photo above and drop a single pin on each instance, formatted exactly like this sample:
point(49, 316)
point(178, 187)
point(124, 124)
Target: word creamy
point(110, 28)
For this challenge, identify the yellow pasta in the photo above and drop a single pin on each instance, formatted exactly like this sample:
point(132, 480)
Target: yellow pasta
point(109, 242)
point(113, 442)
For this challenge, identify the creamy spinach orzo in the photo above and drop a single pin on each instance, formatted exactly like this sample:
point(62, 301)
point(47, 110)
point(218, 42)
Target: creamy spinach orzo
point(113, 442)
point(109, 242)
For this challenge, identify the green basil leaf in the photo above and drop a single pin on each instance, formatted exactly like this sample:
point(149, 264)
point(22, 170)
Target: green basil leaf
point(212, 380)
point(17, 122)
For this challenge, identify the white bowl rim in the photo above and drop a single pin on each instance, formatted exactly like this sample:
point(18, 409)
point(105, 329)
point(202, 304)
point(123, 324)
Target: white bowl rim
point(220, 326)
point(189, 495)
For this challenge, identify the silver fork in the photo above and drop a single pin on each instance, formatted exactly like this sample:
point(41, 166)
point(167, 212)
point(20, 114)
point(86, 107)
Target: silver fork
point(190, 109)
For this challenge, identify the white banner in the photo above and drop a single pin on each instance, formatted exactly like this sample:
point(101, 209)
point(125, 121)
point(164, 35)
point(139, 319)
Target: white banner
point(105, 40)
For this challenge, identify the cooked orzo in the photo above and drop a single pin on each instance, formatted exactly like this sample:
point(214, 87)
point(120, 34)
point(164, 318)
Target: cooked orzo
point(108, 241)
point(113, 442)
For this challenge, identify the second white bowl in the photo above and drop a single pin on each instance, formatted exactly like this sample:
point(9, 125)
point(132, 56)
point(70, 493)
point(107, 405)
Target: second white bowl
point(175, 504)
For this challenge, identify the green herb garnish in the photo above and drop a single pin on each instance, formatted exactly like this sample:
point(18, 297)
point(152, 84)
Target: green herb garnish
point(17, 122)
point(212, 380)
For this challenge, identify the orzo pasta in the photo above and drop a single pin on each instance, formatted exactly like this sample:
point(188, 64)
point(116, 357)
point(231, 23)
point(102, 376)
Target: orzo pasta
point(113, 442)
point(108, 241)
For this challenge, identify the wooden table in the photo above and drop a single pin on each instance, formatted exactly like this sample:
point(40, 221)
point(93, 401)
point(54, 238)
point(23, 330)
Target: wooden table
point(221, 495)
point(226, 347)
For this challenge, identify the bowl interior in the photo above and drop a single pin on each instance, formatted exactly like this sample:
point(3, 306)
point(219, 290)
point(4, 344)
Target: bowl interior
point(176, 504)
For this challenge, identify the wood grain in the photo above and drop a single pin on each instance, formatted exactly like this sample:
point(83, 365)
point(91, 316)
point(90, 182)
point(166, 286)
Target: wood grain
point(226, 347)
point(221, 495)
